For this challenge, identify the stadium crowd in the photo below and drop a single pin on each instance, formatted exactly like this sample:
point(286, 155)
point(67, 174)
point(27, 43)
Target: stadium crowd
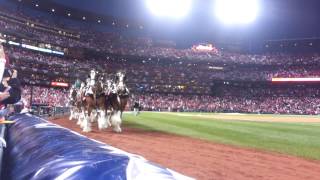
point(45, 96)
point(142, 47)
point(249, 100)
point(146, 70)
point(160, 77)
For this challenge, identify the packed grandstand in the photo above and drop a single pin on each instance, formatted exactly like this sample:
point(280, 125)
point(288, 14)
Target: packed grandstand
point(161, 77)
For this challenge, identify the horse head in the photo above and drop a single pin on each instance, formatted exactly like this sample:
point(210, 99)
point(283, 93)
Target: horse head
point(71, 92)
point(101, 77)
point(73, 95)
point(93, 74)
point(120, 84)
point(97, 82)
point(99, 86)
point(109, 85)
point(120, 77)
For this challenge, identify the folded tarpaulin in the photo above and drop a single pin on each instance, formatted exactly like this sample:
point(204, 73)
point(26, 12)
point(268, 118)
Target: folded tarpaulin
point(38, 149)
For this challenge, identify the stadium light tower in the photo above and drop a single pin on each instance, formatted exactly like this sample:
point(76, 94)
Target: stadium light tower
point(169, 8)
point(236, 11)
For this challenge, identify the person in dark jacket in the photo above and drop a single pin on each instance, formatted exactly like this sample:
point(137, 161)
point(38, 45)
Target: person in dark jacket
point(10, 88)
point(136, 108)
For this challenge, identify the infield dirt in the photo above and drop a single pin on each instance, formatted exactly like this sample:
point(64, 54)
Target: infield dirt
point(202, 159)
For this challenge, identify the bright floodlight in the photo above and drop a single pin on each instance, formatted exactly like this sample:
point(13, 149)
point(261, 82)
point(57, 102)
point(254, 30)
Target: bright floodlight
point(237, 11)
point(169, 8)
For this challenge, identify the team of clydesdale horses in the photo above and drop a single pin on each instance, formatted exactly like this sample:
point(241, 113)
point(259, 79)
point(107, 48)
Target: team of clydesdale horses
point(102, 98)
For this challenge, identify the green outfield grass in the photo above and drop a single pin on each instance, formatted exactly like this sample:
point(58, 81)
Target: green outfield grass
point(298, 139)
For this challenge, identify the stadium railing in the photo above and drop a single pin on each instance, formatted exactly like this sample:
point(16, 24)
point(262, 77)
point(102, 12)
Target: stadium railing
point(48, 111)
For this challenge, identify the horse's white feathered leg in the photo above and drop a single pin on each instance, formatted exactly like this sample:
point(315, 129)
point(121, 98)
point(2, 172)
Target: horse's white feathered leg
point(76, 115)
point(82, 119)
point(71, 114)
point(79, 119)
point(103, 119)
point(108, 119)
point(94, 115)
point(86, 124)
point(116, 121)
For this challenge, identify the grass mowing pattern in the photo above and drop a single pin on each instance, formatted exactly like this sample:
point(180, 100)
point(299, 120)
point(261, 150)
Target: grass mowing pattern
point(298, 139)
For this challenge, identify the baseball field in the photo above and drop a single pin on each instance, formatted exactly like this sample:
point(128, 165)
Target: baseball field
point(287, 134)
point(220, 146)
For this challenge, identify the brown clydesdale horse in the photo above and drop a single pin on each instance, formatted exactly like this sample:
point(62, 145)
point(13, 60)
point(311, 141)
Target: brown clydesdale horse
point(94, 101)
point(117, 100)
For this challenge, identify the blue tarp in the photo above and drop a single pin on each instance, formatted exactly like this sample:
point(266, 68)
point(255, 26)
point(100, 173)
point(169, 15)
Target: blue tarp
point(38, 149)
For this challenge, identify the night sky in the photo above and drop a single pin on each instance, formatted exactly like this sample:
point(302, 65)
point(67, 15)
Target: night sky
point(278, 19)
